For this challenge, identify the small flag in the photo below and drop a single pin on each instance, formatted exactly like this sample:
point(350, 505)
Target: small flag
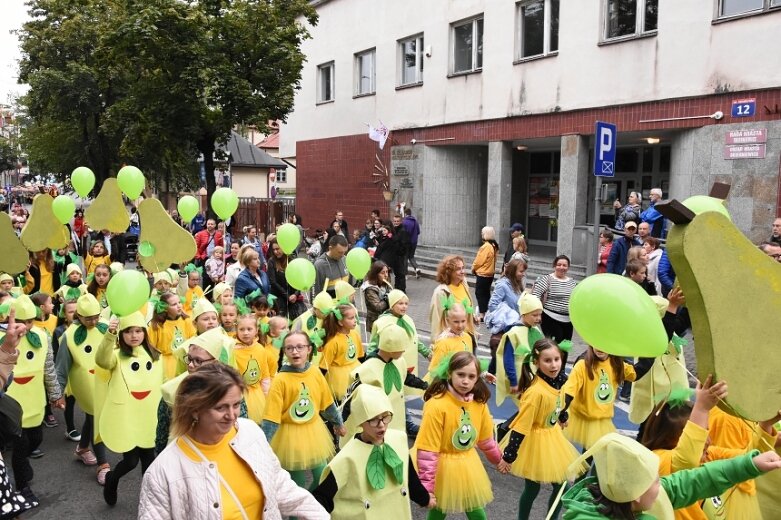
point(379, 134)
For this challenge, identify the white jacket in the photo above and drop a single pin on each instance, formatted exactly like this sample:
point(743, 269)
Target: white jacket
point(176, 487)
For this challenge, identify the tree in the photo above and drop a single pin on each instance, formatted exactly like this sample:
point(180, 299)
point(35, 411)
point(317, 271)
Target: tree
point(9, 157)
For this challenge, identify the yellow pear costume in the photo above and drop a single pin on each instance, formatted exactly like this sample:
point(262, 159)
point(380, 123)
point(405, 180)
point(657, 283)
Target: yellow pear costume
point(82, 344)
point(167, 338)
point(129, 416)
point(406, 323)
point(339, 359)
point(28, 383)
point(251, 364)
point(522, 339)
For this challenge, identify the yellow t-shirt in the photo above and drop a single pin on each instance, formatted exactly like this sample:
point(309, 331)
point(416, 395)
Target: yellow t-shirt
point(288, 388)
point(459, 292)
point(48, 325)
point(191, 297)
point(272, 357)
point(594, 398)
point(443, 416)
point(447, 344)
point(244, 356)
point(236, 473)
point(92, 262)
point(540, 405)
point(686, 455)
point(46, 284)
point(167, 338)
point(342, 350)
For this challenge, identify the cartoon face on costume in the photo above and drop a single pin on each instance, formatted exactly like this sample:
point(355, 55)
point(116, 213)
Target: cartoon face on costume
point(553, 418)
point(178, 339)
point(303, 409)
point(33, 361)
point(351, 350)
point(137, 372)
point(604, 391)
point(714, 507)
point(195, 300)
point(252, 374)
point(466, 435)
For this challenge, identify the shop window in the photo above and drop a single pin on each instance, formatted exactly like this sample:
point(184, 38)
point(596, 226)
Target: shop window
point(664, 159)
point(538, 28)
point(627, 18)
point(411, 61)
point(467, 38)
point(365, 72)
point(325, 82)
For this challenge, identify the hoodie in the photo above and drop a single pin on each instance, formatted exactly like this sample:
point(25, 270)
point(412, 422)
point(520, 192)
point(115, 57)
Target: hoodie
point(326, 268)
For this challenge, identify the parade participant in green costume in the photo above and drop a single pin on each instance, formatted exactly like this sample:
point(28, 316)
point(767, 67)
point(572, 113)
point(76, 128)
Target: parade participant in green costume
point(398, 302)
point(33, 378)
point(76, 368)
point(372, 476)
point(128, 420)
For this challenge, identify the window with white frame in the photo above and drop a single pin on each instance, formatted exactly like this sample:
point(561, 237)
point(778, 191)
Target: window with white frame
point(365, 72)
point(538, 28)
point(738, 7)
point(411, 60)
point(467, 38)
point(626, 18)
point(325, 82)
point(282, 176)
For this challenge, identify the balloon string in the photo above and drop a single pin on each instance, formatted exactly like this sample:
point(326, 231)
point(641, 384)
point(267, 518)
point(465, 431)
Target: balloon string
point(731, 409)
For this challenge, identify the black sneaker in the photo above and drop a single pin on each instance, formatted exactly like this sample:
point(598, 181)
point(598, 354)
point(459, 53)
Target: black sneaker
point(50, 421)
point(412, 429)
point(36, 454)
point(110, 488)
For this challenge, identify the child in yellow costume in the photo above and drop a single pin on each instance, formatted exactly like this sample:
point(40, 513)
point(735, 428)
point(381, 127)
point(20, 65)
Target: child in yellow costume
point(229, 312)
point(293, 425)
point(311, 322)
point(515, 345)
point(535, 448)
point(251, 364)
point(222, 294)
point(385, 369)
point(7, 285)
point(591, 391)
point(189, 287)
point(48, 322)
point(128, 420)
point(372, 476)
point(73, 286)
point(99, 283)
point(76, 368)
point(454, 337)
point(399, 302)
point(97, 255)
point(271, 336)
point(33, 378)
point(456, 419)
point(168, 330)
point(343, 348)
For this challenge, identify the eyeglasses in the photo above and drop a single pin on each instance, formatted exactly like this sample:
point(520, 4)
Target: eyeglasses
point(195, 361)
point(296, 348)
point(385, 419)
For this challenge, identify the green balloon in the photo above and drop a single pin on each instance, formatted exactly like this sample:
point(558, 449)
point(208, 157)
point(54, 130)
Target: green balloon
point(127, 292)
point(358, 262)
point(188, 207)
point(615, 315)
point(82, 180)
point(300, 274)
point(63, 208)
point(288, 238)
point(702, 203)
point(131, 181)
point(225, 202)
point(146, 248)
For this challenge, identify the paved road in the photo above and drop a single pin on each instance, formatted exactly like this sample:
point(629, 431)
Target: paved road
point(68, 490)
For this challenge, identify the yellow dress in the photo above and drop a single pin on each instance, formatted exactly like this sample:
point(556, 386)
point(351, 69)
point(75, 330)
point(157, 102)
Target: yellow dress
point(294, 402)
point(191, 297)
point(251, 364)
point(453, 428)
point(545, 454)
point(447, 343)
point(167, 338)
point(92, 262)
point(591, 411)
point(84, 378)
point(340, 357)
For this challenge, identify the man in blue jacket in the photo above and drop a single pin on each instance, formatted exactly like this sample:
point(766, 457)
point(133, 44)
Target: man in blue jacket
point(616, 262)
point(653, 217)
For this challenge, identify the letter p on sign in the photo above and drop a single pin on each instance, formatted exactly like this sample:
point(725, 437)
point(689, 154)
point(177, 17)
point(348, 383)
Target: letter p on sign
point(605, 156)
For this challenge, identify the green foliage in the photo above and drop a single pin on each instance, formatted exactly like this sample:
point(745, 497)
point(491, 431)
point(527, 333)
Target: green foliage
point(8, 155)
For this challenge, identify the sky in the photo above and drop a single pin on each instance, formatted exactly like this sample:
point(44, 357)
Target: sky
point(13, 13)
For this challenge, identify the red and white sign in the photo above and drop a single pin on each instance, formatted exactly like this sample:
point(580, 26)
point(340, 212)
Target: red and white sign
point(747, 136)
point(748, 151)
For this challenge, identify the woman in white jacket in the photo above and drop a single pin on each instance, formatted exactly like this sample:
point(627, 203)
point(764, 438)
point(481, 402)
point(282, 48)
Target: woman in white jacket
point(219, 466)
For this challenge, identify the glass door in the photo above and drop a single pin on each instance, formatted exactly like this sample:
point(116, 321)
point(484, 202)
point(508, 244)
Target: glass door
point(542, 218)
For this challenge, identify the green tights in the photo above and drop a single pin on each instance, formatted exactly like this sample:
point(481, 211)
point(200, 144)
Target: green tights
point(299, 477)
point(474, 514)
point(530, 491)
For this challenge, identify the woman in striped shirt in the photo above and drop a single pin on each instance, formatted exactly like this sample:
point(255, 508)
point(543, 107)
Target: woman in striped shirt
point(554, 290)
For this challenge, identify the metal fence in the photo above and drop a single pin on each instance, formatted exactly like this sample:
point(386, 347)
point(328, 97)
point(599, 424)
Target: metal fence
point(265, 214)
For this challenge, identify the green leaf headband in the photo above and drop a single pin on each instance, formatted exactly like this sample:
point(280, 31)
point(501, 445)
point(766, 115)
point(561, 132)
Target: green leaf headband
point(271, 299)
point(189, 268)
point(251, 296)
point(675, 398)
point(447, 302)
point(565, 345)
point(241, 307)
point(679, 342)
point(441, 370)
point(265, 328)
point(74, 293)
point(159, 305)
point(469, 309)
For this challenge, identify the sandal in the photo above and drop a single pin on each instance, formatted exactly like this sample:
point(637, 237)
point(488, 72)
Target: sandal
point(86, 456)
point(103, 469)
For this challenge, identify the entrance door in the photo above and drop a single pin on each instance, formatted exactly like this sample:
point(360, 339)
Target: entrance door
point(542, 217)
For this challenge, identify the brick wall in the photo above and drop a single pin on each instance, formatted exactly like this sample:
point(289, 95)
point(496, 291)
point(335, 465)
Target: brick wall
point(335, 173)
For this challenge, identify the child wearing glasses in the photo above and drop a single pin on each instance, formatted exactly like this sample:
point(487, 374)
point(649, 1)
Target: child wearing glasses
point(372, 476)
point(297, 403)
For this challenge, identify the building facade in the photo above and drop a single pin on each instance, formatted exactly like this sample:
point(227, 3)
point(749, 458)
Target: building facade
point(491, 106)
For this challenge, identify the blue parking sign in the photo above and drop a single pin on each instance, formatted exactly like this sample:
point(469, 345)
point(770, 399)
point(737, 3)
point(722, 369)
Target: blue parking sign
point(605, 149)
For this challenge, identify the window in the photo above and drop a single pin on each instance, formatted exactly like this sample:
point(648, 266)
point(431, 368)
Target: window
point(625, 18)
point(411, 60)
point(467, 40)
point(364, 72)
point(538, 28)
point(325, 82)
point(282, 176)
point(737, 7)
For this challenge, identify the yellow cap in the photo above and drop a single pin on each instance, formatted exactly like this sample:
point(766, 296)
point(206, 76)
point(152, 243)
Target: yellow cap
point(219, 289)
point(87, 305)
point(625, 468)
point(72, 268)
point(343, 289)
point(529, 303)
point(661, 304)
point(116, 267)
point(368, 402)
point(4, 277)
point(323, 302)
point(393, 338)
point(395, 296)
point(162, 276)
point(25, 308)
point(132, 320)
point(213, 342)
point(201, 306)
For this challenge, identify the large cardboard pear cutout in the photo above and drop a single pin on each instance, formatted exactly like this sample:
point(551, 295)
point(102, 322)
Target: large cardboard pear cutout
point(43, 230)
point(162, 241)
